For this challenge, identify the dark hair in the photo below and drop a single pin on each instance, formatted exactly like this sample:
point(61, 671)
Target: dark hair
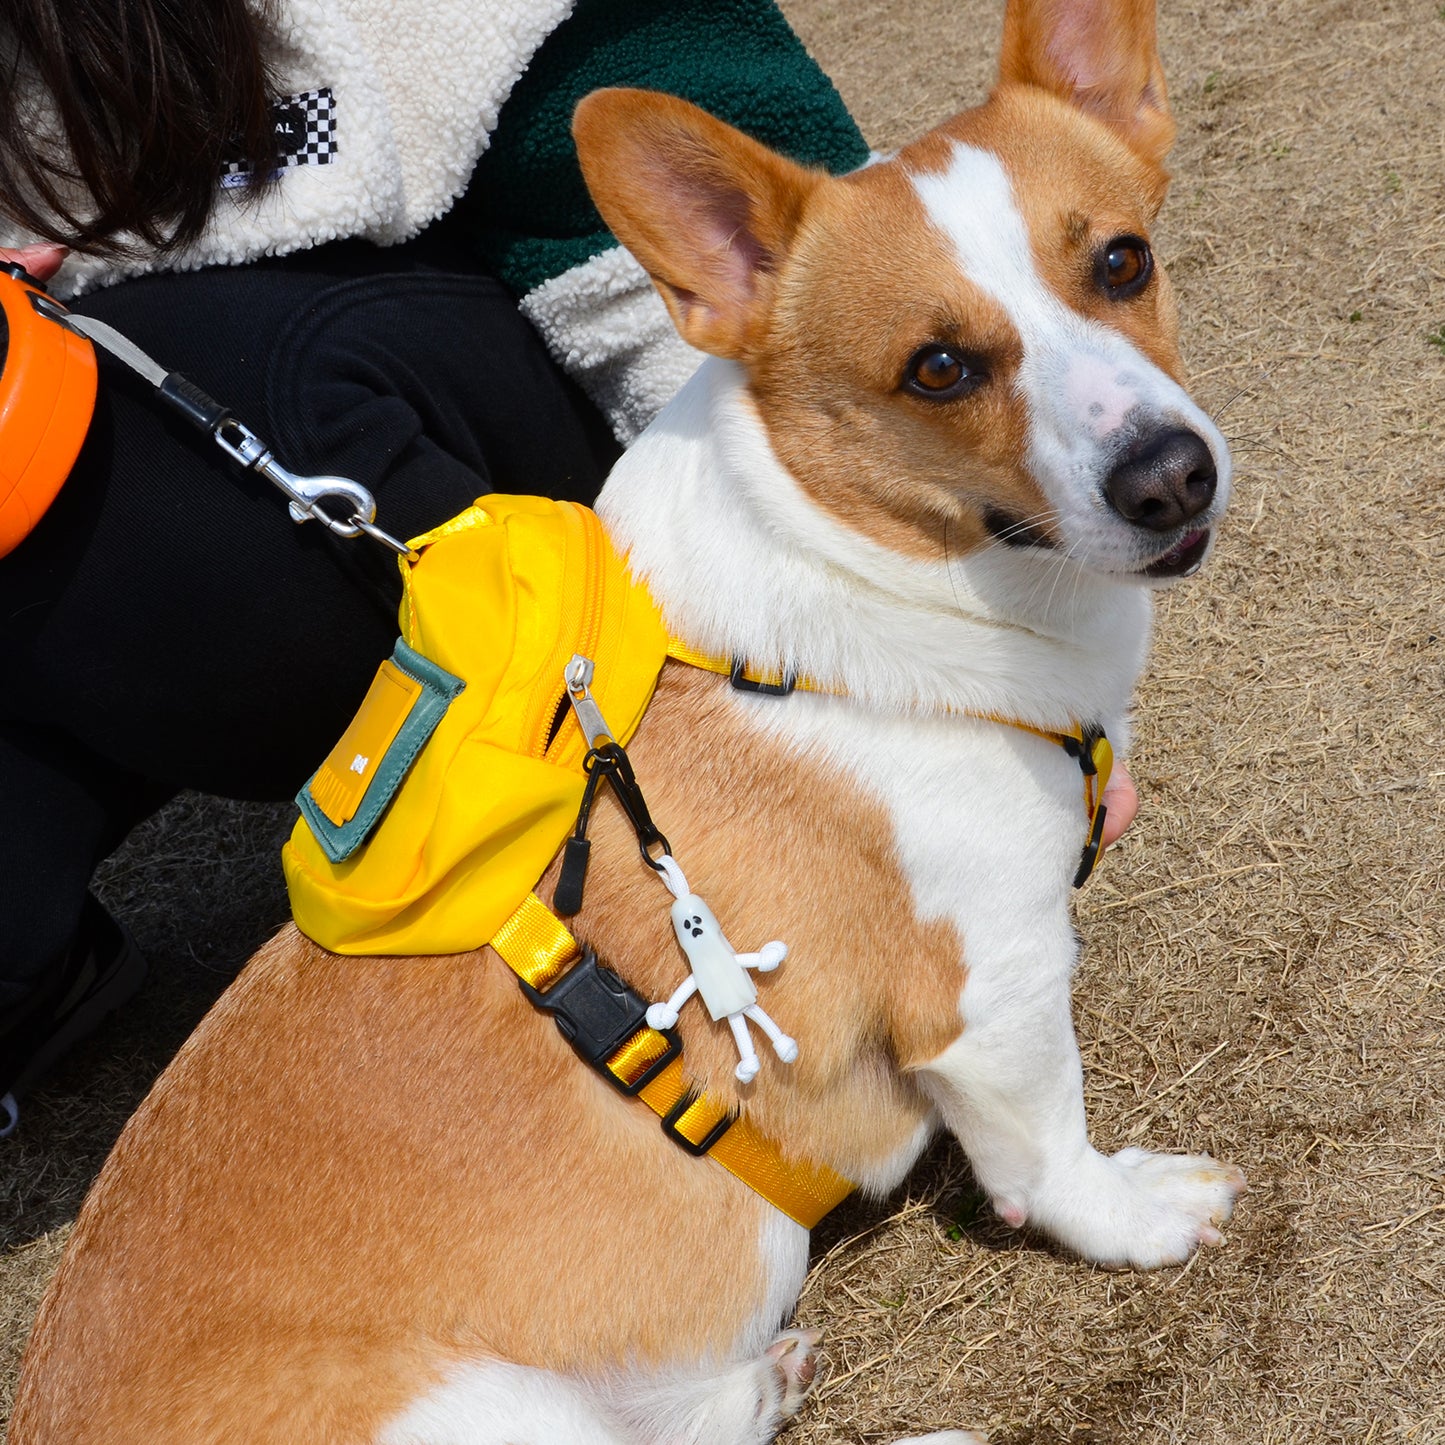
point(150, 99)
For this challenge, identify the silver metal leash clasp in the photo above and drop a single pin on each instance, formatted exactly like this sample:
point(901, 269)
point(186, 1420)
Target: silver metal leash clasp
point(305, 495)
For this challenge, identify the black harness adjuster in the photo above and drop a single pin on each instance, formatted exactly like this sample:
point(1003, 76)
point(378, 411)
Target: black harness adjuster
point(596, 1012)
point(1083, 752)
point(743, 683)
point(1092, 848)
point(673, 1117)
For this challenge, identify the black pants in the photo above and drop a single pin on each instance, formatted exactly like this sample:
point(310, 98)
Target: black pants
point(167, 626)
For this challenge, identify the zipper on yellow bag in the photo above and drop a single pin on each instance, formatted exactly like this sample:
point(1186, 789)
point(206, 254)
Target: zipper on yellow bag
point(553, 742)
point(543, 732)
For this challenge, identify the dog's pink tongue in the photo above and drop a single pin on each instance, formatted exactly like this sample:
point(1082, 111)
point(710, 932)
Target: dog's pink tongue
point(1192, 540)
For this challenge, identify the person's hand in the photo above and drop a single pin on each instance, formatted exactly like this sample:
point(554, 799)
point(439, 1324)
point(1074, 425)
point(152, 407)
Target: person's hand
point(1121, 799)
point(42, 259)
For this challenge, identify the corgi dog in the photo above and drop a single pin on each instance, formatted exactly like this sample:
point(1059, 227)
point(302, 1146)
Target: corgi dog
point(937, 462)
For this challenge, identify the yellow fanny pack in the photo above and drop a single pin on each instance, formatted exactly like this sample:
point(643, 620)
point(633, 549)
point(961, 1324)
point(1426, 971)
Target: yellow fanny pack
point(461, 775)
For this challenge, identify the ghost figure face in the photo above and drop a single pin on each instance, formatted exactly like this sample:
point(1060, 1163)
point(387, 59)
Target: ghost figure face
point(722, 981)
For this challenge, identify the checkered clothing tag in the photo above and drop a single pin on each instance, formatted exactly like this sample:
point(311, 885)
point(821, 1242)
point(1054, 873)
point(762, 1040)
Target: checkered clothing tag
point(305, 127)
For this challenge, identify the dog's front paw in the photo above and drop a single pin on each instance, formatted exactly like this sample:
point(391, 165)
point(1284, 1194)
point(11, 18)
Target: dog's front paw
point(1142, 1210)
point(794, 1358)
point(1183, 1198)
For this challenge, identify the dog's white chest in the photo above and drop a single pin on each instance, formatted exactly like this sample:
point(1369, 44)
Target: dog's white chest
point(987, 820)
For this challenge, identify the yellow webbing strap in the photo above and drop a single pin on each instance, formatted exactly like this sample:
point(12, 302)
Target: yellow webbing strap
point(710, 662)
point(1098, 747)
point(803, 1190)
point(538, 948)
point(535, 944)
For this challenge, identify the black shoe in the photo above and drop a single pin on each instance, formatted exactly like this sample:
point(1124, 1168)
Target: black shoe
point(103, 968)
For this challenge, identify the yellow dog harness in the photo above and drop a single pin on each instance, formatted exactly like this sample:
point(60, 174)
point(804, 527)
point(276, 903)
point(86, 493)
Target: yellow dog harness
point(464, 770)
point(1088, 746)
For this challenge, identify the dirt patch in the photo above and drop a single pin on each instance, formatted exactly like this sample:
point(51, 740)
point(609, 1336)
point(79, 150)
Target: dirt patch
point(1262, 976)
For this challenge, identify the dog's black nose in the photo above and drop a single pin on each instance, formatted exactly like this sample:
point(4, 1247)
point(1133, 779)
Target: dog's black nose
point(1160, 487)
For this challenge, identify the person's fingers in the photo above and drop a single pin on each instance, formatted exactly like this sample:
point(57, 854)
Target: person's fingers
point(1121, 799)
point(42, 259)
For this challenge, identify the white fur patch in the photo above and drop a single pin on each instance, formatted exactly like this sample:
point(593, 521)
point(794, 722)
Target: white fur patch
point(988, 822)
point(783, 1246)
point(1080, 380)
point(495, 1403)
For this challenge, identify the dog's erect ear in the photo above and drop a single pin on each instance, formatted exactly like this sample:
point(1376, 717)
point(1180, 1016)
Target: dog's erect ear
point(1103, 55)
point(708, 212)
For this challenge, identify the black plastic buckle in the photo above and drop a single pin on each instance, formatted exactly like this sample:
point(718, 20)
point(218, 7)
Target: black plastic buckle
point(767, 689)
point(596, 1012)
point(1083, 752)
point(674, 1115)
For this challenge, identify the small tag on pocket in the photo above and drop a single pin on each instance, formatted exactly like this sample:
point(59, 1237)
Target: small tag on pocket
point(341, 781)
point(347, 794)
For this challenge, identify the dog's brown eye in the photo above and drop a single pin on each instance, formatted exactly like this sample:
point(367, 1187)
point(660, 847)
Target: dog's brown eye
point(1124, 266)
point(941, 373)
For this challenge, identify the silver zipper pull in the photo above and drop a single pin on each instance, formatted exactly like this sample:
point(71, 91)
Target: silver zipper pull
point(578, 677)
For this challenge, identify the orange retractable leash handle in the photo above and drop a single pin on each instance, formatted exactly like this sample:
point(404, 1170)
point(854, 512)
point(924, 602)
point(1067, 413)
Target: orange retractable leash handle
point(47, 397)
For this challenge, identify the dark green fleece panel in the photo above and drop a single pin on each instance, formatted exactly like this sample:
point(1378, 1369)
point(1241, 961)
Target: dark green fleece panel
point(527, 207)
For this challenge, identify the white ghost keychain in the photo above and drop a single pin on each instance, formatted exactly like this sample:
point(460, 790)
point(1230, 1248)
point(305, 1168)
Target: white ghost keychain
point(719, 975)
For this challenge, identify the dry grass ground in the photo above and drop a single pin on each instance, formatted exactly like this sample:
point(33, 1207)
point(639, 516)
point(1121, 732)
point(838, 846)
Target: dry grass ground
point(1263, 975)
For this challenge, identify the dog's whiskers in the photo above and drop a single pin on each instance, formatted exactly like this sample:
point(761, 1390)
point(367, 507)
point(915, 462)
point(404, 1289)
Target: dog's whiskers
point(1059, 569)
point(948, 565)
point(1028, 524)
point(1023, 525)
point(1249, 390)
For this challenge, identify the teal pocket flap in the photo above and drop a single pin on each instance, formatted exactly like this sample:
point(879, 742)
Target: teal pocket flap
point(345, 797)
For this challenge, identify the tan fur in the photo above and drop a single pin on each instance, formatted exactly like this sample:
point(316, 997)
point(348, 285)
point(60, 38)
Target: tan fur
point(757, 831)
point(1078, 187)
point(711, 248)
point(911, 473)
point(399, 1191)
point(359, 1170)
